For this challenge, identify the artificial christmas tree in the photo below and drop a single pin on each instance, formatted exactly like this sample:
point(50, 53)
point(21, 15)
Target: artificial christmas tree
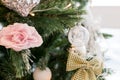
point(46, 45)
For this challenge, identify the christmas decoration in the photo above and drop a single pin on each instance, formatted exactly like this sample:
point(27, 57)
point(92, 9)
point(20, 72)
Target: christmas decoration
point(87, 70)
point(26, 54)
point(42, 74)
point(19, 37)
point(78, 36)
point(82, 56)
point(22, 7)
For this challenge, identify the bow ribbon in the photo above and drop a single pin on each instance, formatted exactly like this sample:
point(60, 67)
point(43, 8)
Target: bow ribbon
point(87, 70)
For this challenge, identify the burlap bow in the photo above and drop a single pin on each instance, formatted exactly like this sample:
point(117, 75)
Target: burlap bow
point(87, 70)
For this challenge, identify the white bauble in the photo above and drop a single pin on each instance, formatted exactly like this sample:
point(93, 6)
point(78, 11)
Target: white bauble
point(78, 36)
point(42, 74)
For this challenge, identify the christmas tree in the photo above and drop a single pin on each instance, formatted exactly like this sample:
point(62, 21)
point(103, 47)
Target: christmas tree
point(47, 40)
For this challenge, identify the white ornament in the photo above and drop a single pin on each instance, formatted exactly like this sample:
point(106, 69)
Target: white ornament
point(78, 36)
point(23, 7)
point(42, 74)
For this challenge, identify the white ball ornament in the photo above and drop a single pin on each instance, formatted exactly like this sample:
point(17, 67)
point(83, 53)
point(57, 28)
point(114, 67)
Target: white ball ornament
point(78, 36)
point(42, 74)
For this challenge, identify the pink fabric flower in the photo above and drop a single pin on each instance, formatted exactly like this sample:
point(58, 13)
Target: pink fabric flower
point(20, 36)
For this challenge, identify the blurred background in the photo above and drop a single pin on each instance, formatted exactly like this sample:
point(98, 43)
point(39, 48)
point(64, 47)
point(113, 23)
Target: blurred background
point(107, 14)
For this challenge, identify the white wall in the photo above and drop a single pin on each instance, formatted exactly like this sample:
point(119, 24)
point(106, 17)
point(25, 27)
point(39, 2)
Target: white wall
point(109, 16)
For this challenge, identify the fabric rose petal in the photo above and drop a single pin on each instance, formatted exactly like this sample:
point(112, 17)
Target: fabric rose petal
point(20, 36)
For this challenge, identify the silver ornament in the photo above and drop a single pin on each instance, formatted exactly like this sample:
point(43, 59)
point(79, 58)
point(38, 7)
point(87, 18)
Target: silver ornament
point(78, 36)
point(22, 7)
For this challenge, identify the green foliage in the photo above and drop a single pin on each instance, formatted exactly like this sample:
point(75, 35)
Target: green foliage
point(6, 70)
point(56, 18)
point(106, 36)
point(12, 67)
point(105, 72)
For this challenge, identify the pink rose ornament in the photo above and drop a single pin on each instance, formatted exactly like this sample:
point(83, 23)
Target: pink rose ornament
point(20, 36)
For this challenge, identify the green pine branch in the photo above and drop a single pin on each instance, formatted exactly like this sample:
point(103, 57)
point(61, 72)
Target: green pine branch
point(60, 16)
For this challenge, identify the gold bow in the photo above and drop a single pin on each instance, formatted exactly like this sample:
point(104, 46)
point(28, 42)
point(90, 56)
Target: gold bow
point(87, 70)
